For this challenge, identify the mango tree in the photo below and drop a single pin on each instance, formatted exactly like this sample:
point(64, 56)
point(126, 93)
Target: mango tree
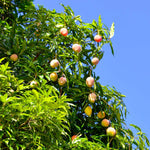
point(50, 95)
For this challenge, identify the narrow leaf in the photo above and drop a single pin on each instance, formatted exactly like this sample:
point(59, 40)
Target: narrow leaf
point(112, 29)
point(136, 127)
point(94, 23)
point(100, 22)
point(112, 50)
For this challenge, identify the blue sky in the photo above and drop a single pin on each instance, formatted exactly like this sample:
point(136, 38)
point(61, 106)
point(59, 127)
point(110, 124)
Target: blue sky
point(129, 69)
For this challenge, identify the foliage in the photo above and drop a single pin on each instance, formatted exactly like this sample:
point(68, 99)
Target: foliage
point(46, 115)
point(31, 117)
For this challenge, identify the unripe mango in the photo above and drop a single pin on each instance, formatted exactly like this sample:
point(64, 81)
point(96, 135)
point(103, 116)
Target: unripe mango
point(88, 111)
point(111, 131)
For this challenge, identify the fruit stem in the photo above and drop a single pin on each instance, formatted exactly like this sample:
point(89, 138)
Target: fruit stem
point(37, 55)
point(59, 68)
point(78, 134)
point(108, 142)
point(64, 20)
point(26, 122)
point(60, 92)
point(90, 70)
point(98, 31)
point(63, 75)
point(111, 140)
point(56, 55)
point(35, 75)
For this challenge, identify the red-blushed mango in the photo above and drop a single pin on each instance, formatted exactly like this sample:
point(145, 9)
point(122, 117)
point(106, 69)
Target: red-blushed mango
point(54, 63)
point(95, 61)
point(90, 81)
point(101, 114)
point(14, 57)
point(53, 76)
point(33, 84)
point(105, 122)
point(64, 31)
point(110, 131)
point(98, 38)
point(92, 97)
point(88, 111)
point(74, 137)
point(77, 48)
point(62, 81)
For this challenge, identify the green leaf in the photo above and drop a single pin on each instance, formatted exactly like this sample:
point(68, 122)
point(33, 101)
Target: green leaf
point(2, 59)
point(136, 127)
point(135, 142)
point(3, 76)
point(94, 23)
point(112, 50)
point(80, 66)
point(35, 93)
point(89, 25)
point(100, 88)
point(1, 127)
point(112, 30)
point(70, 63)
point(147, 140)
point(101, 54)
point(100, 22)
point(94, 86)
point(130, 132)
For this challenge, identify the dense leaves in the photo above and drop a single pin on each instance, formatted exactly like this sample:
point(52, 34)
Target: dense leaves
point(30, 117)
point(36, 112)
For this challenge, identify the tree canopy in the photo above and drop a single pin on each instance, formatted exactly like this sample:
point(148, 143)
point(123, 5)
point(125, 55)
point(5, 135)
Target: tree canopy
point(50, 95)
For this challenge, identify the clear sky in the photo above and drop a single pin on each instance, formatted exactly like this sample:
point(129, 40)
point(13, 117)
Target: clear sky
point(129, 69)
